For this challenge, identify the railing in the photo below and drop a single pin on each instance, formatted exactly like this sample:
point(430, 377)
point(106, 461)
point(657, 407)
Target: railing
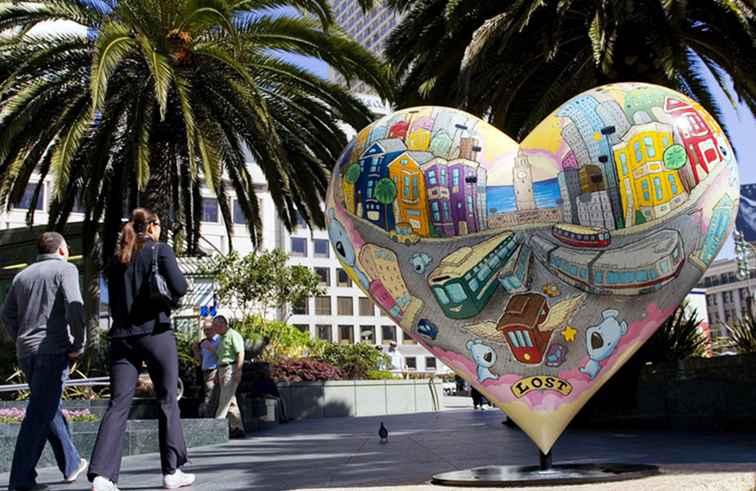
point(81, 382)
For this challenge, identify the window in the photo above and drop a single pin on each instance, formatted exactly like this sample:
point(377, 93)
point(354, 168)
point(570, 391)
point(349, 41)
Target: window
point(658, 188)
point(456, 292)
point(344, 306)
point(443, 176)
point(301, 221)
point(432, 178)
point(342, 278)
point(388, 334)
point(367, 334)
point(455, 177)
point(324, 332)
point(303, 327)
point(646, 195)
point(366, 307)
point(672, 184)
point(322, 248)
point(623, 161)
point(239, 218)
point(411, 362)
point(301, 307)
point(406, 339)
point(346, 334)
point(430, 362)
point(210, 210)
point(26, 199)
point(322, 305)
point(325, 276)
point(650, 150)
point(638, 154)
point(299, 246)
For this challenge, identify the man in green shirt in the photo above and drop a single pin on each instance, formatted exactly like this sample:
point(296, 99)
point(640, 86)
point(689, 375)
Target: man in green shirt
point(230, 361)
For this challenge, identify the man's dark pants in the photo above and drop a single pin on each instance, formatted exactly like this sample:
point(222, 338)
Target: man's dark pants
point(159, 352)
point(44, 420)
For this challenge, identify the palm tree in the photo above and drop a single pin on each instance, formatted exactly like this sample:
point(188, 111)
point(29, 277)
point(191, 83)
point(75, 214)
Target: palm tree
point(516, 61)
point(162, 96)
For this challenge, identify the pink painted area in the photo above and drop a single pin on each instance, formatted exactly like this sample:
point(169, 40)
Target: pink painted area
point(569, 161)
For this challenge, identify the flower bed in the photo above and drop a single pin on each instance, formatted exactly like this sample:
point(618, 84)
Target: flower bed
point(15, 415)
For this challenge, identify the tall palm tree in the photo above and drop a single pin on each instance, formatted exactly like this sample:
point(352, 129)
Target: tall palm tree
point(161, 96)
point(516, 61)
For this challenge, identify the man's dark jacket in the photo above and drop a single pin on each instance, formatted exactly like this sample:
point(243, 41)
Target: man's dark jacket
point(133, 312)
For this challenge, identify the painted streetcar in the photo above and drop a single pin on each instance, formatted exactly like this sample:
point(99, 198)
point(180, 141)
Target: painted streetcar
point(637, 268)
point(580, 236)
point(465, 280)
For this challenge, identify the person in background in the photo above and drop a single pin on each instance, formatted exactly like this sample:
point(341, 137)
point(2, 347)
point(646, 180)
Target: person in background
point(265, 386)
point(395, 357)
point(478, 399)
point(141, 333)
point(44, 314)
point(230, 363)
point(205, 353)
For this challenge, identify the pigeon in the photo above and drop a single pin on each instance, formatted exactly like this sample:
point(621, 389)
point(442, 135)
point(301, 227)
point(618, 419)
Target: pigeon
point(383, 433)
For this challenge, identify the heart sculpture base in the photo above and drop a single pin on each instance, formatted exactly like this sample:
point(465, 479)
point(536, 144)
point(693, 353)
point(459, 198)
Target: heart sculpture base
point(543, 475)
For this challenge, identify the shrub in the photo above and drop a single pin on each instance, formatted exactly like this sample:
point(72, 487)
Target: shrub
point(15, 415)
point(678, 338)
point(381, 375)
point(743, 335)
point(304, 370)
point(355, 360)
point(284, 340)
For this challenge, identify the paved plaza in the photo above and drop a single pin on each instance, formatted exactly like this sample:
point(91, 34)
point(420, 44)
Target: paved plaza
point(344, 453)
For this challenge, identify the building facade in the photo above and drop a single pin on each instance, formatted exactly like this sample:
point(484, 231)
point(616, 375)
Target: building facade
point(726, 294)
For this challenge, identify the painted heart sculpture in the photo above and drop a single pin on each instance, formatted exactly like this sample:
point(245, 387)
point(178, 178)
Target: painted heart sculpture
point(535, 270)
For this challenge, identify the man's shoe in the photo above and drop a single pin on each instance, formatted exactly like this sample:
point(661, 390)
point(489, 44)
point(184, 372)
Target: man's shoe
point(103, 484)
point(75, 474)
point(236, 434)
point(177, 480)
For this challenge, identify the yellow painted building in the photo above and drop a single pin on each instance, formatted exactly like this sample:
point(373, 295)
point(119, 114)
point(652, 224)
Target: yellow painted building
point(419, 140)
point(648, 189)
point(411, 204)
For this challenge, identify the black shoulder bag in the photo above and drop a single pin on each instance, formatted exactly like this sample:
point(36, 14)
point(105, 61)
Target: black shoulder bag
point(158, 288)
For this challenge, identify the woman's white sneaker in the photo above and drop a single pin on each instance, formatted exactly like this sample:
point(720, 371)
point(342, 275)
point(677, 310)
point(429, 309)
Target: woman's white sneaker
point(103, 484)
point(177, 480)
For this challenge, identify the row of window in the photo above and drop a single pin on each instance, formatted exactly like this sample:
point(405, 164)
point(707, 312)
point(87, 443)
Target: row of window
point(211, 212)
point(345, 333)
point(342, 278)
point(723, 279)
point(344, 306)
point(25, 201)
point(320, 247)
point(727, 297)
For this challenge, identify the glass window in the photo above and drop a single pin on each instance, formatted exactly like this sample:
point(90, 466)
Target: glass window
point(342, 278)
point(210, 210)
point(443, 176)
point(344, 306)
point(367, 334)
point(324, 332)
point(441, 295)
point(325, 276)
point(299, 246)
point(435, 210)
point(650, 150)
point(388, 334)
point(301, 307)
point(513, 340)
point(672, 183)
point(638, 154)
point(26, 199)
point(239, 218)
point(346, 334)
point(430, 362)
point(322, 248)
point(456, 292)
point(623, 161)
point(411, 362)
point(455, 177)
point(322, 305)
point(303, 327)
point(432, 178)
point(366, 306)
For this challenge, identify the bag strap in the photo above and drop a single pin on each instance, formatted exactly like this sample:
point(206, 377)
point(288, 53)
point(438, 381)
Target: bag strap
point(155, 259)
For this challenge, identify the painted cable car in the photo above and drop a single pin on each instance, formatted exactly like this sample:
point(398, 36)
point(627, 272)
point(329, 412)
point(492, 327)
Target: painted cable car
point(519, 326)
point(580, 236)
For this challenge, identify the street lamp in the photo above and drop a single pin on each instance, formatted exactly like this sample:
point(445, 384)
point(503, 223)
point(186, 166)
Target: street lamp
point(743, 272)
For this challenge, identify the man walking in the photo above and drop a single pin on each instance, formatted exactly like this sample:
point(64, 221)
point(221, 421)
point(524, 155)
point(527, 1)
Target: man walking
point(230, 362)
point(44, 314)
point(205, 352)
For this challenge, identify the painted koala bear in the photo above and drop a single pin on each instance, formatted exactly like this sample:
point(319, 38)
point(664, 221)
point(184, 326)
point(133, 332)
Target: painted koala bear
point(485, 357)
point(344, 248)
point(602, 340)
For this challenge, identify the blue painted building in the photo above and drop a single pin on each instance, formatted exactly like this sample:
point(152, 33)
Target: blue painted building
point(374, 167)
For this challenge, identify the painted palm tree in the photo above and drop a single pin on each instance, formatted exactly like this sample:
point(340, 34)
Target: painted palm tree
point(516, 61)
point(161, 97)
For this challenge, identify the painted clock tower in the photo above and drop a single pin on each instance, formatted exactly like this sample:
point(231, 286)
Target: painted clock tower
point(523, 183)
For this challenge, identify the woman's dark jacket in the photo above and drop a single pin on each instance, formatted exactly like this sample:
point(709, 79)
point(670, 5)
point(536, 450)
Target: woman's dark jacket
point(133, 312)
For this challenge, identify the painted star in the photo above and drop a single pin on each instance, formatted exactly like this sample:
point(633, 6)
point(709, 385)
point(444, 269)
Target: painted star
point(568, 333)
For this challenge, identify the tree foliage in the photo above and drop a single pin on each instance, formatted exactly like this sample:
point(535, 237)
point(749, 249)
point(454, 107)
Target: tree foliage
point(258, 283)
point(515, 62)
point(743, 335)
point(162, 97)
point(677, 338)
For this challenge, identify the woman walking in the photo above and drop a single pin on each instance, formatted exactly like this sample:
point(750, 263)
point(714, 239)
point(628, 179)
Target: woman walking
point(141, 333)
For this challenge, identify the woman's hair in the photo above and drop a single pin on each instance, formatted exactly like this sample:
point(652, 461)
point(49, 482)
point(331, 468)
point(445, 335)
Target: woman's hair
point(132, 234)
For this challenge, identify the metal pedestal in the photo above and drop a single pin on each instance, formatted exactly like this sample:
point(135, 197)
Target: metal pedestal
point(544, 474)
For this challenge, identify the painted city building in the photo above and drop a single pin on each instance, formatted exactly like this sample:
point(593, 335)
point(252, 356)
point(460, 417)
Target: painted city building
point(411, 202)
point(373, 176)
point(648, 188)
point(437, 186)
point(463, 195)
point(523, 183)
point(595, 210)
